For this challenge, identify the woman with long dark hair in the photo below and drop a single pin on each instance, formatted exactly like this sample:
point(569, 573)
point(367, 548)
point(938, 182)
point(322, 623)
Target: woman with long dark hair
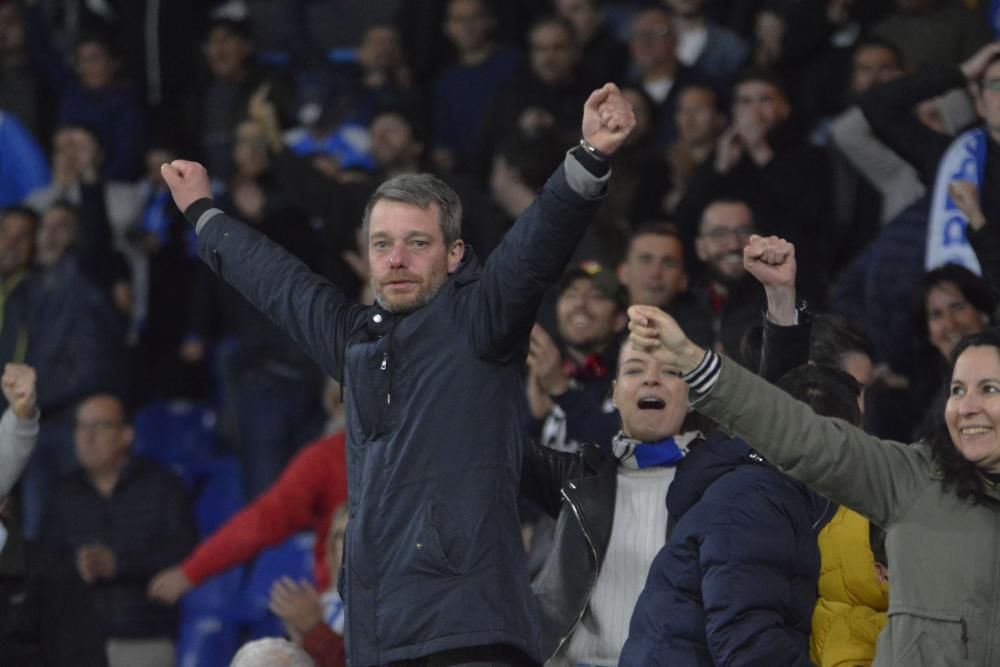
point(938, 499)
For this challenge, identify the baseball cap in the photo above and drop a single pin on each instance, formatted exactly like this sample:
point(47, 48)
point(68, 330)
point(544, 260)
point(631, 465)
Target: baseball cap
point(603, 278)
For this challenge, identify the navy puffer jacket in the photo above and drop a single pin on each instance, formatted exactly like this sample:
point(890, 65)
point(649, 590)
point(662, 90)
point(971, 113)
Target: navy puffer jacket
point(736, 582)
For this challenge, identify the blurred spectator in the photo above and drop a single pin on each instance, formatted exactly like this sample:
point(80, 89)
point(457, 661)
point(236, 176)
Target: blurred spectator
point(18, 228)
point(737, 578)
point(120, 519)
point(92, 95)
point(313, 621)
point(164, 270)
point(19, 89)
point(381, 80)
point(546, 99)
point(569, 392)
point(699, 119)
point(22, 164)
point(653, 269)
point(325, 128)
point(77, 156)
point(656, 69)
point(728, 302)
point(703, 44)
point(612, 499)
point(763, 160)
point(464, 92)
point(47, 616)
point(271, 652)
point(858, 203)
point(270, 386)
point(304, 497)
point(934, 32)
point(603, 57)
point(233, 78)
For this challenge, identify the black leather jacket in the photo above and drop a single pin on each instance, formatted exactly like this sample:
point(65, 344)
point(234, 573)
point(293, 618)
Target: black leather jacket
point(579, 491)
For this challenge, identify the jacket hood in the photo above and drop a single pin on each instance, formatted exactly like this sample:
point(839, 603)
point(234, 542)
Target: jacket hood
point(704, 464)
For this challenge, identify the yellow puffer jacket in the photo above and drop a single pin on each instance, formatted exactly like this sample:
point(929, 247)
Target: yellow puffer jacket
point(850, 611)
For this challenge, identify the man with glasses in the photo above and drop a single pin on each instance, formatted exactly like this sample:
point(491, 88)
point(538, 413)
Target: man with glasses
point(119, 520)
point(728, 302)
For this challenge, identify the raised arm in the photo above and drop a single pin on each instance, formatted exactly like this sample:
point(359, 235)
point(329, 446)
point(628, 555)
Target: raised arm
point(19, 424)
point(876, 478)
point(785, 346)
point(307, 307)
point(535, 251)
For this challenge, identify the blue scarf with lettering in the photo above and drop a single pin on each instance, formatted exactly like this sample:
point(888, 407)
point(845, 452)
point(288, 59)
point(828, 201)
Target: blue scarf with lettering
point(947, 240)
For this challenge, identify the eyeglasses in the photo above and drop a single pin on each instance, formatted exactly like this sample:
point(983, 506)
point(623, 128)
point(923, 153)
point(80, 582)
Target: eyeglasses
point(993, 85)
point(722, 233)
point(100, 427)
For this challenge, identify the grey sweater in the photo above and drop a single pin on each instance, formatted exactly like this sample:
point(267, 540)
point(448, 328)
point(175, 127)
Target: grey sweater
point(17, 439)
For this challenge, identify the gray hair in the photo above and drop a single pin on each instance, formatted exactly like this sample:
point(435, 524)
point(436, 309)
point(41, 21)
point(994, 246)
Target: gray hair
point(421, 190)
point(271, 652)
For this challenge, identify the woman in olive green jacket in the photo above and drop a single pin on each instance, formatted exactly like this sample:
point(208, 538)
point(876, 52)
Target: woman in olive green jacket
point(938, 500)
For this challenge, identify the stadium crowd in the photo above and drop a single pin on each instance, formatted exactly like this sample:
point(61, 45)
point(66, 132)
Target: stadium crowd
point(470, 332)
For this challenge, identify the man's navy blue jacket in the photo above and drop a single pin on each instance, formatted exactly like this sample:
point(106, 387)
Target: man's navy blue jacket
point(736, 582)
point(433, 553)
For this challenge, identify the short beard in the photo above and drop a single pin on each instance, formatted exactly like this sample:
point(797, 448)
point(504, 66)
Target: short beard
point(421, 300)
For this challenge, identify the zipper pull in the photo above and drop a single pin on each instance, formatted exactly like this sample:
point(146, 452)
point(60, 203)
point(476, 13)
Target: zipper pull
point(388, 399)
point(385, 360)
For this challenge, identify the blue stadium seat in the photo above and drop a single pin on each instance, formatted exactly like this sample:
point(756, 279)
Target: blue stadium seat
point(220, 494)
point(293, 558)
point(177, 434)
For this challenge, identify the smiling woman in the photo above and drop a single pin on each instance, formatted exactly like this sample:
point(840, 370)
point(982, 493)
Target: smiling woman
point(938, 499)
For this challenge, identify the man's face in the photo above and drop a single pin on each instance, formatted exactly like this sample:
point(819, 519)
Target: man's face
point(392, 141)
point(101, 435)
point(760, 104)
point(380, 50)
point(653, 43)
point(95, 67)
point(226, 53)
point(988, 99)
point(698, 121)
point(553, 53)
point(688, 9)
point(407, 255)
point(725, 229)
point(17, 240)
point(873, 66)
point(650, 398)
point(653, 270)
point(588, 319)
point(468, 25)
point(56, 233)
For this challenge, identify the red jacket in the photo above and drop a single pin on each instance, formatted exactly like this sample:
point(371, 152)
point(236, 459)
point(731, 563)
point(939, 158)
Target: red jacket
point(311, 487)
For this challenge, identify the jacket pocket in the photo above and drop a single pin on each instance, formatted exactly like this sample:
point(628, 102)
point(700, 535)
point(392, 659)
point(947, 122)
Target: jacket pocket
point(433, 540)
point(929, 638)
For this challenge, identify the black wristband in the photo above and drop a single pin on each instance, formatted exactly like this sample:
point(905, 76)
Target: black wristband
point(594, 166)
point(194, 211)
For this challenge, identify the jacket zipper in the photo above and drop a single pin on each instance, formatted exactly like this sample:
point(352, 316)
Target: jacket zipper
point(965, 639)
point(593, 552)
point(385, 364)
